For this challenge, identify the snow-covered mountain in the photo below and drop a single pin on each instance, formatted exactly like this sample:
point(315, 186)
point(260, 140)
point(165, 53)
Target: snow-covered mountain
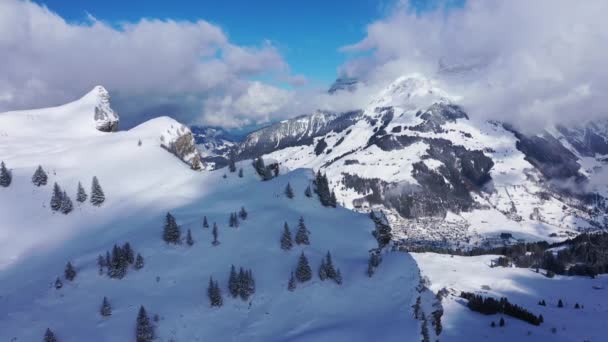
point(443, 175)
point(141, 183)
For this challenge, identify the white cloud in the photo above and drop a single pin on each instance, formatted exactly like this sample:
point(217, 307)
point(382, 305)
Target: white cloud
point(527, 62)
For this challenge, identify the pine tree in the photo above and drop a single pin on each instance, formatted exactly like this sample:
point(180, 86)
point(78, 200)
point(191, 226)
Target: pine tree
point(106, 308)
point(108, 260)
point(214, 293)
point(233, 282)
point(49, 336)
point(58, 283)
point(331, 271)
point(303, 271)
point(205, 223)
point(292, 283)
point(70, 272)
point(231, 164)
point(308, 192)
point(97, 195)
point(576, 306)
point(189, 239)
point(139, 142)
point(332, 200)
point(338, 277)
point(56, 197)
point(302, 233)
point(144, 331)
point(39, 178)
point(101, 263)
point(240, 173)
point(541, 319)
point(235, 220)
point(5, 176)
point(288, 191)
point(250, 282)
point(243, 213)
point(118, 263)
point(81, 195)
point(560, 304)
point(139, 262)
point(323, 270)
point(127, 251)
point(66, 204)
point(242, 281)
point(286, 242)
point(171, 232)
point(493, 325)
point(215, 241)
point(501, 322)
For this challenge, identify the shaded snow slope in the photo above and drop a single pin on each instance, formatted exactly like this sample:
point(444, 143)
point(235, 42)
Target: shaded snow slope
point(141, 184)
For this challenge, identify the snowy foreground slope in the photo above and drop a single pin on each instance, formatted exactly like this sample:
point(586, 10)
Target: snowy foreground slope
point(142, 182)
point(523, 287)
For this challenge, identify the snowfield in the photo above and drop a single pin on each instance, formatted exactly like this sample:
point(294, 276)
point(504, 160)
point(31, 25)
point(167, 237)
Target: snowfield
point(523, 287)
point(143, 183)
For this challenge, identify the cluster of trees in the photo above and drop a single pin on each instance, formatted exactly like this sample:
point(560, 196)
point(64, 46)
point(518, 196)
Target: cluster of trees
point(117, 263)
point(144, 329)
point(214, 293)
point(69, 273)
point(301, 238)
point(383, 231)
point(241, 284)
point(303, 272)
point(60, 201)
point(171, 231)
point(491, 306)
point(326, 196)
point(264, 171)
point(234, 217)
point(6, 176)
point(328, 271)
point(373, 263)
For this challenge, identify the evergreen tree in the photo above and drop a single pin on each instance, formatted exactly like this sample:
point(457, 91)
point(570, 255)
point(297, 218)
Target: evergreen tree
point(332, 200)
point(128, 253)
point(501, 322)
point(49, 336)
point(215, 241)
point(214, 293)
point(560, 304)
point(576, 306)
point(308, 192)
point(233, 282)
point(139, 262)
point(81, 195)
point(292, 283)
point(302, 233)
point(5, 176)
point(288, 191)
point(240, 173)
point(231, 164)
point(56, 197)
point(108, 259)
point(171, 232)
point(58, 283)
point(106, 308)
point(66, 204)
point(303, 271)
point(189, 240)
point(338, 277)
point(101, 263)
point(286, 242)
point(322, 189)
point(331, 271)
point(144, 331)
point(250, 282)
point(118, 263)
point(70, 272)
point(541, 319)
point(97, 195)
point(493, 325)
point(205, 223)
point(139, 142)
point(235, 220)
point(375, 259)
point(323, 270)
point(39, 178)
point(242, 284)
point(243, 213)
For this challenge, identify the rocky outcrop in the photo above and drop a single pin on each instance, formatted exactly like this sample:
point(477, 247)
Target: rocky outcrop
point(106, 120)
point(178, 139)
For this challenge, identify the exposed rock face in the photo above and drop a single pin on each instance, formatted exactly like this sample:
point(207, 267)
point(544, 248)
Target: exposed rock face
point(343, 84)
point(106, 120)
point(178, 139)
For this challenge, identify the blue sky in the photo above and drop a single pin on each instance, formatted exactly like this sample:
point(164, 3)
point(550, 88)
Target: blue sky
point(307, 33)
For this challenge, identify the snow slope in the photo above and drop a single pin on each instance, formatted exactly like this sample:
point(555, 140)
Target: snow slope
point(141, 184)
point(523, 287)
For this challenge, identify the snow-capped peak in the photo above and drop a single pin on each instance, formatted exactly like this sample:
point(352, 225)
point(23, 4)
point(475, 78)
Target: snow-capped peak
point(411, 91)
point(106, 120)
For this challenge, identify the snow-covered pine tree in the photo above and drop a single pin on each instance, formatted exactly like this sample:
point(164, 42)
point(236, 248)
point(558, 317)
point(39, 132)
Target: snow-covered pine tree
point(338, 277)
point(81, 195)
point(58, 283)
point(243, 213)
point(39, 178)
point(101, 263)
point(205, 223)
point(144, 331)
point(329, 267)
point(106, 308)
point(70, 272)
point(308, 192)
point(171, 232)
point(302, 233)
point(189, 239)
point(214, 293)
point(118, 263)
point(240, 173)
point(233, 282)
point(291, 285)
point(288, 191)
point(127, 252)
point(286, 242)
point(323, 270)
point(5, 176)
point(49, 336)
point(139, 262)
point(56, 197)
point(66, 204)
point(303, 271)
point(97, 195)
point(215, 240)
point(242, 284)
